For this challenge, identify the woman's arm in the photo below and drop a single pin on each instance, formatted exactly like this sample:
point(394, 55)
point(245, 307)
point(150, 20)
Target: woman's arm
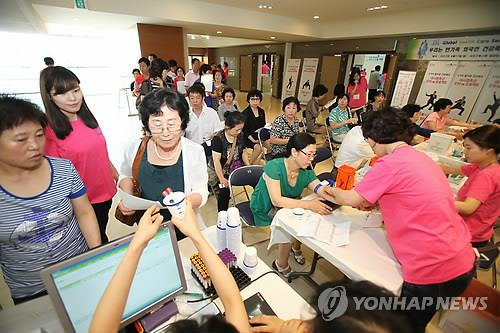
point(278, 141)
point(244, 157)
point(334, 125)
point(87, 221)
point(274, 189)
point(223, 281)
point(454, 122)
point(115, 172)
point(110, 308)
point(218, 168)
point(451, 169)
point(468, 206)
point(343, 197)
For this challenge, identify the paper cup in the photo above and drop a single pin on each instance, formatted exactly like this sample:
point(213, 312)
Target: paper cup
point(250, 260)
point(298, 213)
point(176, 204)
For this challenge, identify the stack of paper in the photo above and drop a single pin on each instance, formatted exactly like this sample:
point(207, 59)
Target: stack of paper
point(324, 231)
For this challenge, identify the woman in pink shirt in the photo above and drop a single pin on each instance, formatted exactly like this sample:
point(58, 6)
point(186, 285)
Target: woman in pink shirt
point(436, 120)
point(357, 89)
point(429, 238)
point(74, 134)
point(478, 201)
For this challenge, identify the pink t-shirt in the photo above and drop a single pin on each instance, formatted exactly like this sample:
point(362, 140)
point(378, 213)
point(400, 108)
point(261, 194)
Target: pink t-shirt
point(428, 237)
point(86, 148)
point(434, 116)
point(359, 97)
point(483, 185)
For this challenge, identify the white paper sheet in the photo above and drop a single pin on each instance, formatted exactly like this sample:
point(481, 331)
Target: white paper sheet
point(341, 234)
point(208, 82)
point(330, 103)
point(313, 226)
point(136, 203)
point(181, 88)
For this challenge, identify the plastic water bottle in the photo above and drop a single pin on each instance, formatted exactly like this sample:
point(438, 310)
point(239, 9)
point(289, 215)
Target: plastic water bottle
point(221, 230)
point(233, 231)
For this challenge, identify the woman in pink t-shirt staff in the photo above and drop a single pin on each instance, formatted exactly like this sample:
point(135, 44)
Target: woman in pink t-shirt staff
point(357, 89)
point(74, 134)
point(439, 118)
point(478, 200)
point(427, 235)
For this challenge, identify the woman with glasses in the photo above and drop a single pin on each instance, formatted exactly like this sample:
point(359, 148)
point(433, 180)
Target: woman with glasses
point(169, 159)
point(228, 155)
point(281, 185)
point(255, 120)
point(74, 134)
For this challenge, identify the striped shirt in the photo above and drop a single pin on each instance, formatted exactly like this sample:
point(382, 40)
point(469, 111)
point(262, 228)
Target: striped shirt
point(39, 231)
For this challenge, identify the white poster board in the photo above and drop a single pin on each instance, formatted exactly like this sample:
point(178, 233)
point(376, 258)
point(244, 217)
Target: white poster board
point(290, 78)
point(307, 78)
point(486, 107)
point(403, 88)
point(437, 80)
point(465, 86)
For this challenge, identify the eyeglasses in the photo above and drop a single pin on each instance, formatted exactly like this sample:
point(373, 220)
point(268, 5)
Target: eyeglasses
point(254, 99)
point(310, 156)
point(157, 127)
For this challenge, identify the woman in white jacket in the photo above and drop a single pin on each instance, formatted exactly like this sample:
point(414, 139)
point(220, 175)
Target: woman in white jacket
point(169, 160)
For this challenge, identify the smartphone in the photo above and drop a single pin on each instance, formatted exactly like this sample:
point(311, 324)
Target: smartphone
point(332, 205)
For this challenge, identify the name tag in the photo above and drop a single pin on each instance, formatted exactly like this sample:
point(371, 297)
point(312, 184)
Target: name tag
point(355, 96)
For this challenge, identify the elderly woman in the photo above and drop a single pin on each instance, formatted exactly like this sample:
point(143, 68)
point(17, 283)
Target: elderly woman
point(169, 159)
point(285, 126)
point(45, 214)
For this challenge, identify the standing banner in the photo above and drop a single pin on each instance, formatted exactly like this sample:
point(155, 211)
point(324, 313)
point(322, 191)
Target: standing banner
point(486, 107)
point(455, 48)
point(307, 79)
point(465, 87)
point(290, 78)
point(403, 88)
point(436, 81)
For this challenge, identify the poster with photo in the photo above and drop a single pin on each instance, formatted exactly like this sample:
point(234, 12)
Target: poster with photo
point(487, 104)
point(403, 88)
point(290, 78)
point(465, 86)
point(435, 84)
point(307, 78)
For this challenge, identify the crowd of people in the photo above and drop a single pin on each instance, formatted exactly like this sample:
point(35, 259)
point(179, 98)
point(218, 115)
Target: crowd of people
point(57, 183)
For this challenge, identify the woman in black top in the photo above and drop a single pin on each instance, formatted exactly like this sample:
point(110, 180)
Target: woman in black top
point(228, 155)
point(255, 118)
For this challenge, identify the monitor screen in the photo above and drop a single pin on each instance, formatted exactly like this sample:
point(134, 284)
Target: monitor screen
point(78, 284)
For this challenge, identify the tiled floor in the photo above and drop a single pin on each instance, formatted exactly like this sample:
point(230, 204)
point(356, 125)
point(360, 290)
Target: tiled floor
point(115, 124)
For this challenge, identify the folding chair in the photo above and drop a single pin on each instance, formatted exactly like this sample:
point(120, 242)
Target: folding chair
point(245, 176)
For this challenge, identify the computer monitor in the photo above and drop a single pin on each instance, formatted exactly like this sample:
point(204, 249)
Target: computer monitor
point(76, 285)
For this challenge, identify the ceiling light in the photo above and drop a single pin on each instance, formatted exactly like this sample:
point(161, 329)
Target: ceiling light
point(219, 32)
point(315, 17)
point(193, 37)
point(269, 7)
point(264, 6)
point(260, 6)
point(272, 37)
point(377, 8)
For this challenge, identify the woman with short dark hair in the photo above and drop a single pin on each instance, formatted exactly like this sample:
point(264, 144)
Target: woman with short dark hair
point(45, 214)
point(285, 126)
point(169, 159)
point(228, 154)
point(313, 109)
point(229, 103)
point(426, 233)
point(281, 185)
point(255, 118)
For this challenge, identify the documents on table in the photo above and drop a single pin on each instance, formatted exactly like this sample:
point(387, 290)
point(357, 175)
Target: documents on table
point(329, 103)
point(324, 231)
point(136, 203)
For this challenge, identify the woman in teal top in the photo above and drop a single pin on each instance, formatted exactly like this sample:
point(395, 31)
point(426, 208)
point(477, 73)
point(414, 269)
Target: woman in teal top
point(281, 185)
point(340, 118)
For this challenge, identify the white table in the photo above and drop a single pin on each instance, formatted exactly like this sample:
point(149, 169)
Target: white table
point(368, 256)
point(444, 158)
point(39, 313)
